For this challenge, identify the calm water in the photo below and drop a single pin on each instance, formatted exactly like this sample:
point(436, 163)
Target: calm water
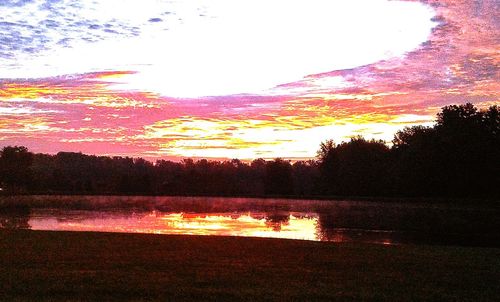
point(338, 221)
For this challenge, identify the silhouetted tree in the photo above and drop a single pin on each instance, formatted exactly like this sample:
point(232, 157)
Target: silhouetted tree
point(357, 167)
point(457, 157)
point(15, 167)
point(416, 157)
point(306, 176)
point(278, 177)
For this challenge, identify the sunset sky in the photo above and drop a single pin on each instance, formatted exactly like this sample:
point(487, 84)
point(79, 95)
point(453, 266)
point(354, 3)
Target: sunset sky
point(236, 78)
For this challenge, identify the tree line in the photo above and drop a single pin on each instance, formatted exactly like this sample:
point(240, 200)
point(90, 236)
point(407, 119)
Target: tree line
point(457, 157)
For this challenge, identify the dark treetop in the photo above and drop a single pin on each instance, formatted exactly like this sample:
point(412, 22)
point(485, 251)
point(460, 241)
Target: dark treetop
point(458, 157)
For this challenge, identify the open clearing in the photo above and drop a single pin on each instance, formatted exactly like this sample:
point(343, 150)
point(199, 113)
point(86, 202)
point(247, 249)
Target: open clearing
point(80, 266)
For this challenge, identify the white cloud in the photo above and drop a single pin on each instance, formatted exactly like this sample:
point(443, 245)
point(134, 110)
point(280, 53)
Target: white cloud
point(23, 110)
point(221, 47)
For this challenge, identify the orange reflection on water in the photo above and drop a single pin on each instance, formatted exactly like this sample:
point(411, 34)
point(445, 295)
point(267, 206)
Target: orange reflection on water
point(291, 226)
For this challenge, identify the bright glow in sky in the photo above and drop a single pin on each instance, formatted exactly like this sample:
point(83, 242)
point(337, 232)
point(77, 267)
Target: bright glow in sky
point(235, 78)
point(221, 47)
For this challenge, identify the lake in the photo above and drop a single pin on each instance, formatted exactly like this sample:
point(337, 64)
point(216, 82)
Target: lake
point(319, 220)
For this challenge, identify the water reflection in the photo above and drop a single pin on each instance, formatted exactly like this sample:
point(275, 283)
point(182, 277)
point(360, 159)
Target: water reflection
point(276, 220)
point(14, 218)
point(254, 224)
point(338, 221)
point(289, 225)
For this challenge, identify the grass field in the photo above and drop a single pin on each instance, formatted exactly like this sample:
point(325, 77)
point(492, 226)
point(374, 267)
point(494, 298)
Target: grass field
point(65, 266)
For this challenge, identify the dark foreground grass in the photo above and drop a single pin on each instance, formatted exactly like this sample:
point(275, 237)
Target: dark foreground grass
point(65, 266)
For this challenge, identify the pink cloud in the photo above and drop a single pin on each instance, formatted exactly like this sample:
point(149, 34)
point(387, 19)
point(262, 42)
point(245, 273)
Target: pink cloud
point(89, 112)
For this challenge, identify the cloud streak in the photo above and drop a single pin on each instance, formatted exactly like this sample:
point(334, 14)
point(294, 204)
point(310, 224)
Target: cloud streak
point(128, 111)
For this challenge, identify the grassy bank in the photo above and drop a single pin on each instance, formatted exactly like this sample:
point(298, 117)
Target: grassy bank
point(54, 266)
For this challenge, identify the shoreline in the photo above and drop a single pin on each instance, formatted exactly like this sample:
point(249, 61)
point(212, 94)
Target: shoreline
point(416, 201)
point(85, 266)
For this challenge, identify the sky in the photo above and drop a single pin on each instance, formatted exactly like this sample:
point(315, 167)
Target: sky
point(240, 79)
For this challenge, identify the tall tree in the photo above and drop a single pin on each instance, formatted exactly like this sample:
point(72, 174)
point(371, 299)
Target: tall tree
point(357, 167)
point(15, 167)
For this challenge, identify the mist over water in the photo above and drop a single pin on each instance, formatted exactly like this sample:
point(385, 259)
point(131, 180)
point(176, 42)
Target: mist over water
point(337, 221)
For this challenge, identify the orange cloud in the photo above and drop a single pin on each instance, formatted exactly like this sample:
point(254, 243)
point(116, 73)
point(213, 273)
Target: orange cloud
point(90, 113)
